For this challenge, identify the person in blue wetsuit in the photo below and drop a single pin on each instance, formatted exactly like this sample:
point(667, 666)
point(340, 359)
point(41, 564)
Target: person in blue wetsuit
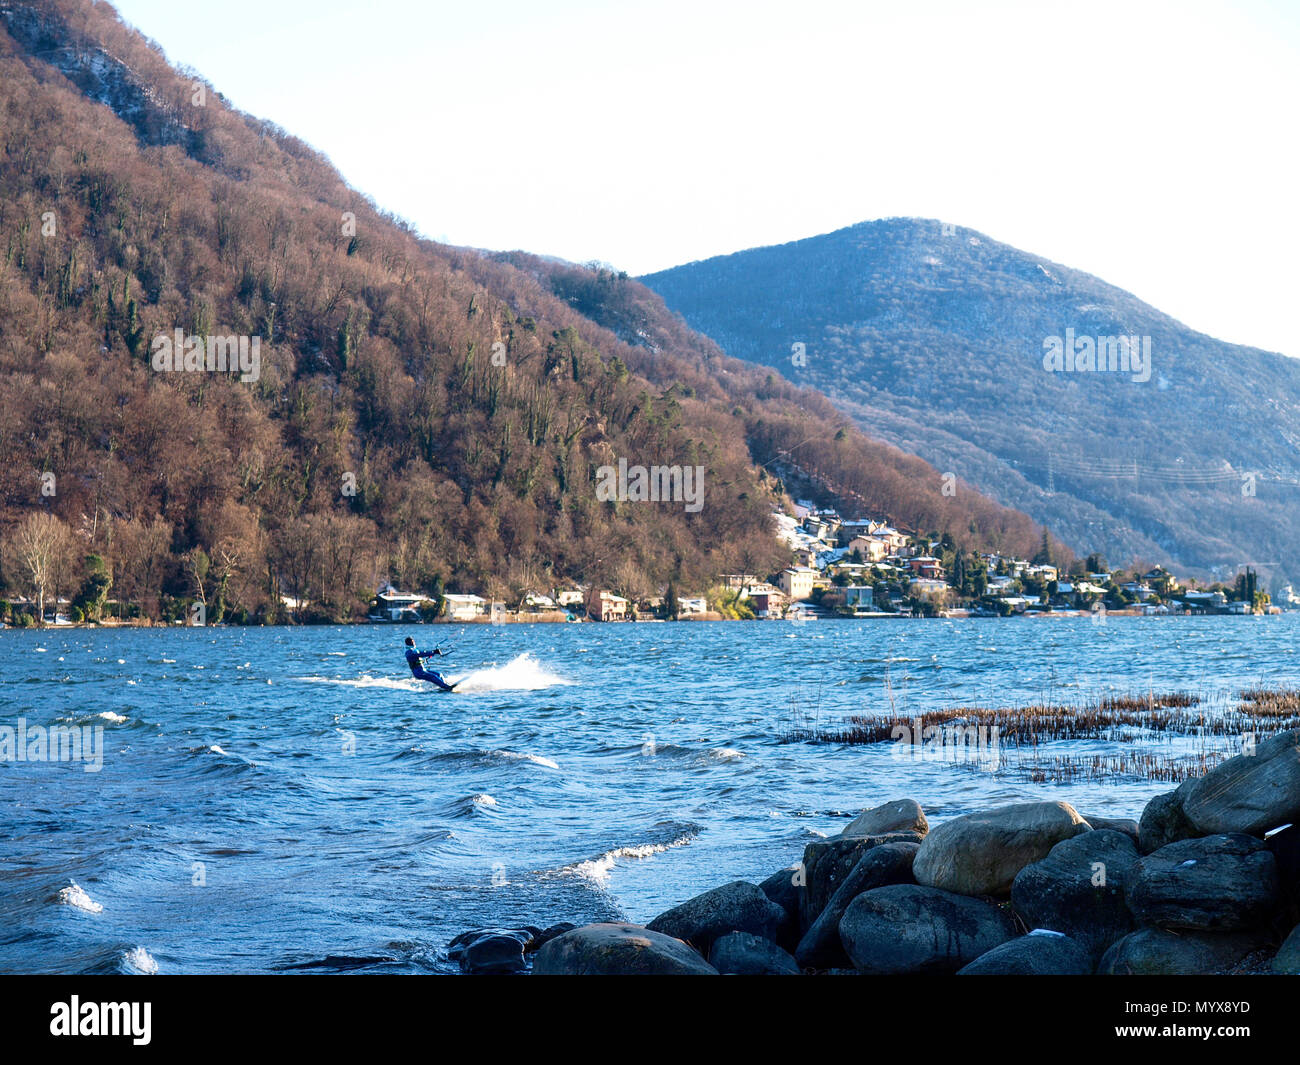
point(415, 659)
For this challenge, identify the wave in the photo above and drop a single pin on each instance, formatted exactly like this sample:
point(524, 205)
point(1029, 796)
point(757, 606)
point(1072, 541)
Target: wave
point(471, 805)
point(74, 895)
point(216, 759)
point(140, 961)
point(699, 755)
point(597, 869)
point(473, 756)
point(524, 756)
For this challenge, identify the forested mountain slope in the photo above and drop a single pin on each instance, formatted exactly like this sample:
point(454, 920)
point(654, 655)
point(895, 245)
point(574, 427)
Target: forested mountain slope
point(423, 413)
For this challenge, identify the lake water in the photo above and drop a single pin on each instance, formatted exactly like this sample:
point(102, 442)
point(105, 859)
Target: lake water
point(269, 798)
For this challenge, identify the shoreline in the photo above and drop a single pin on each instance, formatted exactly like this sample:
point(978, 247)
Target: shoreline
point(1205, 882)
point(690, 619)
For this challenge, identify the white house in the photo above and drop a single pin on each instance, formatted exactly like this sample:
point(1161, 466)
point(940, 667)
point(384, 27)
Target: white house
point(872, 548)
point(797, 581)
point(606, 606)
point(465, 607)
point(397, 606)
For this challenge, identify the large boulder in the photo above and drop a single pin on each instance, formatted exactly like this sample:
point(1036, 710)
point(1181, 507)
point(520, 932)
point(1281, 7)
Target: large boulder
point(491, 951)
point(1078, 889)
point(901, 815)
point(785, 888)
point(617, 949)
point(1159, 952)
point(736, 907)
point(1287, 959)
point(890, 863)
point(1116, 824)
point(1285, 848)
point(1041, 953)
point(981, 853)
point(740, 954)
point(1250, 793)
point(1213, 884)
point(827, 864)
point(493, 955)
point(905, 928)
point(1163, 822)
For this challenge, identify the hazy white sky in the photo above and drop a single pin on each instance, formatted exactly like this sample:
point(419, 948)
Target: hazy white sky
point(1153, 144)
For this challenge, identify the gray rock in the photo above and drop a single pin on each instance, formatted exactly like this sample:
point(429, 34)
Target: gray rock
point(904, 928)
point(1041, 953)
point(1250, 793)
point(458, 947)
point(1115, 824)
point(1159, 952)
point(1287, 959)
point(1078, 889)
point(1163, 822)
point(617, 949)
point(547, 934)
point(736, 907)
point(740, 954)
point(1213, 884)
point(785, 888)
point(981, 853)
point(827, 864)
point(1285, 848)
point(493, 954)
point(889, 863)
point(901, 815)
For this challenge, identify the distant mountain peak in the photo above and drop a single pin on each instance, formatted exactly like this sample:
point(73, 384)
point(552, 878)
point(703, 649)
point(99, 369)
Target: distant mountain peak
point(935, 336)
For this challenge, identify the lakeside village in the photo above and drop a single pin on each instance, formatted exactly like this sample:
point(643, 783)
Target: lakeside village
point(855, 568)
point(865, 568)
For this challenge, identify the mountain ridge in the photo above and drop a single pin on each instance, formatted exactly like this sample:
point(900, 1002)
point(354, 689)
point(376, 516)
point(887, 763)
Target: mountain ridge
point(421, 412)
point(932, 336)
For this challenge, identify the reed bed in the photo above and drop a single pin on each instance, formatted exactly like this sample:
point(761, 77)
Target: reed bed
point(1165, 737)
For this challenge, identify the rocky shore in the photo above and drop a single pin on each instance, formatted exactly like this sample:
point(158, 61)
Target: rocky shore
point(1206, 881)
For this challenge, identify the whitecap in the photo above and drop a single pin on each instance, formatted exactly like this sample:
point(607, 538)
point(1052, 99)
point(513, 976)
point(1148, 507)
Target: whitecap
point(523, 756)
point(108, 715)
point(139, 960)
point(598, 869)
point(75, 895)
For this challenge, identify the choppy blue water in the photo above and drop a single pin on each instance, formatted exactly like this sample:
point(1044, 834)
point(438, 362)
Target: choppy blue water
point(274, 797)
